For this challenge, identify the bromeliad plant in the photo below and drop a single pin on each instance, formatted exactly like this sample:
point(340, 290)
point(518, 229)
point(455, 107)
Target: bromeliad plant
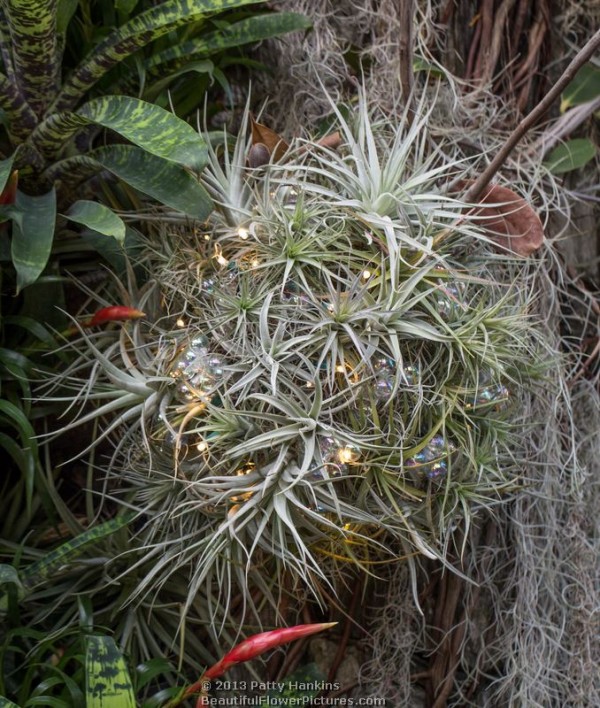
point(65, 119)
point(331, 374)
point(51, 121)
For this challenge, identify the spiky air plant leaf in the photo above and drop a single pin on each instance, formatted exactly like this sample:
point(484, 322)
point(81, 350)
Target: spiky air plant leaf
point(333, 375)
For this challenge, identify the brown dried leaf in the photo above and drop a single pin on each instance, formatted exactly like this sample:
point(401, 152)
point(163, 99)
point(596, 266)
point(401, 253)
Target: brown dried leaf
point(331, 141)
point(509, 220)
point(274, 143)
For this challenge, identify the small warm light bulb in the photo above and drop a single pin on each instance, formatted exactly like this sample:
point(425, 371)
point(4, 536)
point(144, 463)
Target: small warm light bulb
point(180, 322)
point(243, 233)
point(207, 237)
point(366, 274)
point(202, 446)
point(347, 455)
point(219, 257)
point(255, 262)
point(340, 369)
point(309, 384)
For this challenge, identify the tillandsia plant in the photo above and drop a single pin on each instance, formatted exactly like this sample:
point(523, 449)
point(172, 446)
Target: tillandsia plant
point(331, 374)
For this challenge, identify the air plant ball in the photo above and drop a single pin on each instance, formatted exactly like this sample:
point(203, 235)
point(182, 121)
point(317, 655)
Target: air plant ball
point(339, 347)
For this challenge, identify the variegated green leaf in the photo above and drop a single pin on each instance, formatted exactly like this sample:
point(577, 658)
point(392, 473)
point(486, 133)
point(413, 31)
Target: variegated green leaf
point(34, 49)
point(167, 183)
point(21, 118)
point(98, 218)
point(53, 561)
point(152, 128)
point(252, 29)
point(133, 35)
point(32, 236)
point(108, 684)
point(164, 181)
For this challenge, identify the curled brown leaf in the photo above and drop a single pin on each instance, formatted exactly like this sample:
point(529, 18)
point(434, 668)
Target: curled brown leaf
point(508, 219)
point(272, 141)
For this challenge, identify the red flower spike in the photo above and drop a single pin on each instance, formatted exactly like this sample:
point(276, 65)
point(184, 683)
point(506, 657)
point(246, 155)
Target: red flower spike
point(114, 313)
point(9, 193)
point(251, 648)
point(260, 643)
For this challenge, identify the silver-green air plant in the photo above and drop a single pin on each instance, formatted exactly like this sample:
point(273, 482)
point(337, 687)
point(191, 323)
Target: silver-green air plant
point(332, 376)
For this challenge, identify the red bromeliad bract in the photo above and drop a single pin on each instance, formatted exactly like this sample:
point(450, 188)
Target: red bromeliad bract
point(114, 313)
point(251, 648)
point(259, 643)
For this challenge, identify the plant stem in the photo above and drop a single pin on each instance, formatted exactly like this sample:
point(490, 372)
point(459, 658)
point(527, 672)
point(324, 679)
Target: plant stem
point(485, 177)
point(407, 12)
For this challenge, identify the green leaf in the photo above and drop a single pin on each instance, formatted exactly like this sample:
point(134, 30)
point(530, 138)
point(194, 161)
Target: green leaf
point(13, 415)
point(166, 182)
point(34, 49)
point(10, 576)
point(420, 64)
point(32, 239)
point(151, 127)
point(54, 560)
point(252, 29)
point(11, 212)
point(5, 703)
point(25, 461)
point(584, 87)
point(107, 680)
point(98, 218)
point(48, 701)
point(149, 670)
point(133, 35)
point(200, 67)
point(126, 6)
point(64, 13)
point(570, 155)
point(116, 255)
point(5, 171)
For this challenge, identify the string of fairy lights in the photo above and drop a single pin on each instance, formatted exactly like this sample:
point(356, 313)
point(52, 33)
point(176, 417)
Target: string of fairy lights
point(199, 371)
